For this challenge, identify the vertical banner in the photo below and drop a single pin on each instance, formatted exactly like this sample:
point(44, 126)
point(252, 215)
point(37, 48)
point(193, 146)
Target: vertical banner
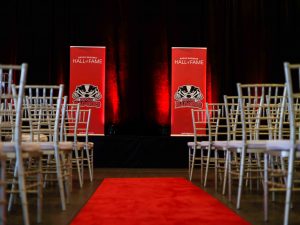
point(87, 83)
point(188, 87)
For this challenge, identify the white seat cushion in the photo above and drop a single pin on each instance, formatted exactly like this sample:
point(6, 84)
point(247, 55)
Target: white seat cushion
point(220, 144)
point(61, 145)
point(191, 144)
point(29, 148)
point(282, 147)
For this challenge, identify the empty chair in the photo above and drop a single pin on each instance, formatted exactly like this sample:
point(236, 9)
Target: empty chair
point(11, 113)
point(289, 148)
point(69, 133)
point(84, 119)
point(44, 109)
point(217, 130)
point(200, 143)
point(274, 161)
point(254, 132)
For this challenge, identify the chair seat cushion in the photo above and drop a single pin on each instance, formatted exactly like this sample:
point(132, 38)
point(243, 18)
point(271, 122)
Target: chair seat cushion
point(29, 148)
point(220, 144)
point(191, 144)
point(67, 145)
point(281, 147)
point(252, 145)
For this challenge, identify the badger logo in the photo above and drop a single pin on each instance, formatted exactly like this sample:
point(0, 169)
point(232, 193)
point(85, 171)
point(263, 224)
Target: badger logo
point(188, 96)
point(87, 95)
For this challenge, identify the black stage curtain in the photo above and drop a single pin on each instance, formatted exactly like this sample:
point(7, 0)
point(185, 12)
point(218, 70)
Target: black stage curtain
point(247, 41)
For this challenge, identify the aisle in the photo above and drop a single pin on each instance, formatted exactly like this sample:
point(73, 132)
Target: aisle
point(154, 201)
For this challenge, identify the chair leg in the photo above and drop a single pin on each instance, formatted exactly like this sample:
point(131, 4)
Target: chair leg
point(241, 177)
point(266, 187)
point(23, 195)
point(192, 164)
point(13, 188)
point(92, 162)
point(39, 192)
point(207, 165)
point(189, 163)
point(229, 176)
point(225, 172)
point(67, 162)
point(89, 163)
point(47, 170)
point(289, 186)
point(2, 192)
point(259, 166)
point(216, 169)
point(70, 172)
point(60, 181)
point(273, 179)
point(82, 164)
point(78, 164)
point(201, 165)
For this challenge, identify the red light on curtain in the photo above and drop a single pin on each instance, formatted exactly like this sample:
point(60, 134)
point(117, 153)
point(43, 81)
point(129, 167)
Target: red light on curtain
point(162, 95)
point(61, 76)
point(211, 86)
point(113, 94)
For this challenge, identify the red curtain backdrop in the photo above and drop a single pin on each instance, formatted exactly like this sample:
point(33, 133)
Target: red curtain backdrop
point(247, 41)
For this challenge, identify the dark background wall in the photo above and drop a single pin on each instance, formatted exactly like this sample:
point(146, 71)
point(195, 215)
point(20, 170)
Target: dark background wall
point(247, 41)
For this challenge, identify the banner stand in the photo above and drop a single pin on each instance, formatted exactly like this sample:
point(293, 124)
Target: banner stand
point(87, 83)
point(188, 87)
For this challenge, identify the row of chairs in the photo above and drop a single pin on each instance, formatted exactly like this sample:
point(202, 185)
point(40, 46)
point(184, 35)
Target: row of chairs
point(254, 137)
point(39, 140)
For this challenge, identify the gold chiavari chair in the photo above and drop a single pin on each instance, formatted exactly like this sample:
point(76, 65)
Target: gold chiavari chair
point(250, 117)
point(288, 148)
point(44, 109)
point(70, 132)
point(16, 152)
point(200, 143)
point(84, 119)
point(217, 129)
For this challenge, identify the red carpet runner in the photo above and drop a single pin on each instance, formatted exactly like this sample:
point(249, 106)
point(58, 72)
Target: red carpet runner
point(154, 201)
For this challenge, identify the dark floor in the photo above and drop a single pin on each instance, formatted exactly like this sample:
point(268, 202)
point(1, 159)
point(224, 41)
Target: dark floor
point(251, 208)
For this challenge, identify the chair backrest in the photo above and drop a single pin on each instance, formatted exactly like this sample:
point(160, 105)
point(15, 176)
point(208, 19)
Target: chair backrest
point(253, 108)
point(84, 119)
point(256, 91)
point(10, 119)
point(210, 123)
point(6, 80)
point(233, 118)
point(277, 117)
point(11, 102)
point(292, 77)
point(43, 111)
point(216, 120)
point(69, 126)
point(200, 128)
